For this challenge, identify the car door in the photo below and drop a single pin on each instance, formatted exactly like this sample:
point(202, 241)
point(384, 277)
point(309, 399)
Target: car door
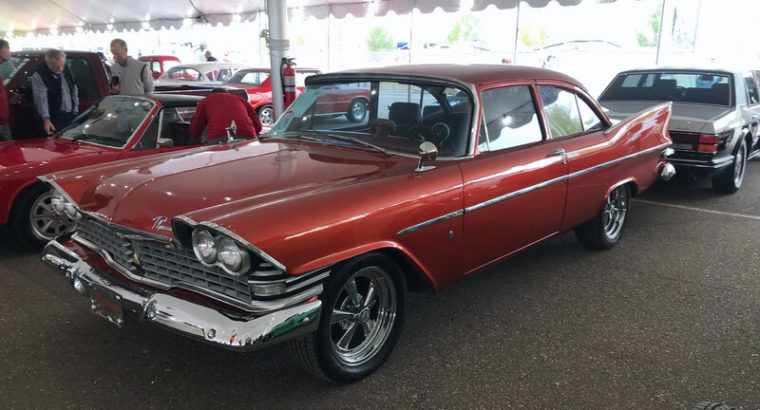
point(25, 122)
point(514, 189)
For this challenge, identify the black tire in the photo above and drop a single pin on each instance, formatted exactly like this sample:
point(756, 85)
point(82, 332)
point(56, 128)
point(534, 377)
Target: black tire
point(266, 115)
point(357, 110)
point(606, 229)
point(730, 180)
point(360, 338)
point(707, 405)
point(32, 218)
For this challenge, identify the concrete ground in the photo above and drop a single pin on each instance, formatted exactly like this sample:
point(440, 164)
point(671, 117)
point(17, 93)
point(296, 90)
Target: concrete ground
point(668, 318)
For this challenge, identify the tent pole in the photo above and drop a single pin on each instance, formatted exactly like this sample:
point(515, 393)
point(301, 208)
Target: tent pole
point(278, 48)
point(659, 33)
point(517, 33)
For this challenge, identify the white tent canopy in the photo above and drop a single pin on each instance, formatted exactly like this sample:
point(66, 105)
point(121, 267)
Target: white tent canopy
point(18, 17)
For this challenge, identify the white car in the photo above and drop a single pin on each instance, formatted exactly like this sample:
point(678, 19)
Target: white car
point(198, 73)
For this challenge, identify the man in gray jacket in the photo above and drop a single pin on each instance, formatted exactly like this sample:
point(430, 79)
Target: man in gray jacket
point(128, 76)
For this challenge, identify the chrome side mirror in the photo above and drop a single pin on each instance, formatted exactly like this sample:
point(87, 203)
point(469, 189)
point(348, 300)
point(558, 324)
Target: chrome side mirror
point(428, 151)
point(165, 143)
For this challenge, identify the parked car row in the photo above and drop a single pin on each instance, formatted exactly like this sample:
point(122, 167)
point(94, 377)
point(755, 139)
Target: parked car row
point(371, 184)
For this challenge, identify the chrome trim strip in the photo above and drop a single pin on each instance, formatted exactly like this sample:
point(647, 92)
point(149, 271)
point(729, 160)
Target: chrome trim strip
point(430, 222)
point(529, 189)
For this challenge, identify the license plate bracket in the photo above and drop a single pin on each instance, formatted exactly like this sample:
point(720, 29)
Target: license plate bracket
point(107, 304)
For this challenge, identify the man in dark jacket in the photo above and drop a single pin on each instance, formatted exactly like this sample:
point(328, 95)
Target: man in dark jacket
point(218, 110)
point(55, 92)
point(5, 116)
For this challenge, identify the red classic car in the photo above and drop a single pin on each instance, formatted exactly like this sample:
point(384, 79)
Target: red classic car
point(117, 127)
point(315, 233)
point(159, 64)
point(257, 83)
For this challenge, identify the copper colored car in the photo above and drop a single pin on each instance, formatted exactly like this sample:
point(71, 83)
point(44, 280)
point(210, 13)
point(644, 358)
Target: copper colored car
point(315, 233)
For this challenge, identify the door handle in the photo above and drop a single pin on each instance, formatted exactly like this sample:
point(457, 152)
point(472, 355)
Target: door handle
point(559, 152)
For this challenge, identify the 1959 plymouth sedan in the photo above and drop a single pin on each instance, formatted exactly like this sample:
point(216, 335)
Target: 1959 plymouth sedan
point(116, 127)
point(316, 232)
point(715, 118)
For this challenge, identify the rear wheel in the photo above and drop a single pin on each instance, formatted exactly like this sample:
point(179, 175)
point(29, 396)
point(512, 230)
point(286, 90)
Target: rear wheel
point(357, 110)
point(266, 115)
point(730, 180)
point(606, 229)
point(33, 219)
point(363, 311)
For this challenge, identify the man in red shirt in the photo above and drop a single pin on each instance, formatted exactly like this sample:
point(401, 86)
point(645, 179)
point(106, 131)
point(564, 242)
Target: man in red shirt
point(5, 116)
point(218, 110)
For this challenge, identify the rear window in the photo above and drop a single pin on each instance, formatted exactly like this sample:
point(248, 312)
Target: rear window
point(706, 88)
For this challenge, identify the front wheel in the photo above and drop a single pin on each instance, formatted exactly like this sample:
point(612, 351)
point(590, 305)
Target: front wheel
point(363, 310)
point(34, 220)
point(606, 229)
point(357, 110)
point(266, 115)
point(730, 180)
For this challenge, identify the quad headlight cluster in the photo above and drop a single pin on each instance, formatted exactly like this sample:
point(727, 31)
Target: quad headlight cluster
point(62, 206)
point(216, 249)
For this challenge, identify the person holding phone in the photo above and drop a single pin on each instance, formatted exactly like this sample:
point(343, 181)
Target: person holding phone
point(128, 76)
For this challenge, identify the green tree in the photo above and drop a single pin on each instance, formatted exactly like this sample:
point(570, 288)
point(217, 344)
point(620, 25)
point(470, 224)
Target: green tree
point(465, 29)
point(644, 39)
point(531, 37)
point(379, 39)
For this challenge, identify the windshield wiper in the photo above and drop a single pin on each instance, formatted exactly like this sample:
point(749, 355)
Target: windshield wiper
point(359, 141)
point(91, 137)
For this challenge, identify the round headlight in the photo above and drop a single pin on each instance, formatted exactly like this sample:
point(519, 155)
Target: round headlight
point(57, 201)
point(71, 211)
point(204, 246)
point(231, 256)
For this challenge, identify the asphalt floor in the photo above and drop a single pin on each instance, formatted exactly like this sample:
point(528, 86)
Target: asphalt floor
point(668, 318)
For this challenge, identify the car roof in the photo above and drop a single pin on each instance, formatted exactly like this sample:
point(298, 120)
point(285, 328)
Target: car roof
point(158, 56)
point(690, 69)
point(251, 69)
point(475, 74)
point(208, 66)
point(176, 100)
point(41, 53)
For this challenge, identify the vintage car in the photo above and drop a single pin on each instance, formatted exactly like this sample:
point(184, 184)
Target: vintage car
point(117, 127)
point(715, 119)
point(257, 83)
point(159, 64)
point(315, 233)
point(215, 72)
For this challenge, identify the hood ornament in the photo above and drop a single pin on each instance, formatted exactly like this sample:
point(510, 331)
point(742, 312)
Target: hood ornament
point(158, 223)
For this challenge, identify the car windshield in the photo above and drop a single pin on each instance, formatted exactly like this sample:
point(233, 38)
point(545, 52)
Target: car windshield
point(390, 115)
point(10, 68)
point(183, 73)
point(110, 122)
point(248, 77)
point(706, 88)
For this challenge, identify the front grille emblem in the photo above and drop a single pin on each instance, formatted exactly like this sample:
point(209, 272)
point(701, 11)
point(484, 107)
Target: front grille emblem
point(158, 223)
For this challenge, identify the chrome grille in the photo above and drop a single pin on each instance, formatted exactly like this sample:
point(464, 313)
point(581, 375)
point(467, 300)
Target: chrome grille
point(118, 247)
point(169, 265)
point(162, 262)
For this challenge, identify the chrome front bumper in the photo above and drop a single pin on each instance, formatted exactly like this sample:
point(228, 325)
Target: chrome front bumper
point(113, 301)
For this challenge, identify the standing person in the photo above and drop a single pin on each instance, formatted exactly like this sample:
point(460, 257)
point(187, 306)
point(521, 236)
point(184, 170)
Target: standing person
point(218, 110)
point(5, 114)
point(55, 93)
point(128, 76)
point(209, 57)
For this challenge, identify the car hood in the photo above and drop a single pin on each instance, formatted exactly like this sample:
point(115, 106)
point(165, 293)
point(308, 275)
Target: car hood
point(689, 117)
point(212, 184)
point(38, 151)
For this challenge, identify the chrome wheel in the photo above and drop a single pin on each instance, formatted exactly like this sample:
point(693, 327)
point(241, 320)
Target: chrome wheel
point(44, 223)
point(363, 316)
point(357, 110)
point(266, 115)
point(614, 212)
point(740, 163)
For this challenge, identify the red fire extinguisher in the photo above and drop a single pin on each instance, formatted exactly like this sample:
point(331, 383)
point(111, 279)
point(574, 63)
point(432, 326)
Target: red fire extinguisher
point(288, 81)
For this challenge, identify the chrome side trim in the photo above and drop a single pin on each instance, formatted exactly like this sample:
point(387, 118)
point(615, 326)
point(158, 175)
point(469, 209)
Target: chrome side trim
point(431, 222)
point(188, 318)
point(529, 189)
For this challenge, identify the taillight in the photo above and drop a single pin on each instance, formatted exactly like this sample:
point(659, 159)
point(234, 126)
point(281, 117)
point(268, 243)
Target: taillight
point(709, 142)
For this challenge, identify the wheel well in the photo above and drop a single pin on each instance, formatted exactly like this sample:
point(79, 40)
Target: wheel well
point(263, 106)
point(416, 281)
point(632, 188)
point(14, 204)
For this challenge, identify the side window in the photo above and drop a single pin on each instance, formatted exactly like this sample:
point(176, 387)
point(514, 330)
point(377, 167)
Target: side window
point(589, 117)
point(84, 77)
point(155, 66)
point(149, 139)
point(510, 117)
point(561, 111)
point(752, 94)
